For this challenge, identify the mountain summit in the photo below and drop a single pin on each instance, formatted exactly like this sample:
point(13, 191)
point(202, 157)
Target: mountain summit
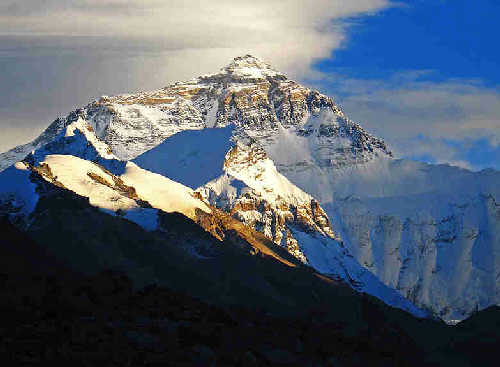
point(247, 93)
point(248, 68)
point(283, 160)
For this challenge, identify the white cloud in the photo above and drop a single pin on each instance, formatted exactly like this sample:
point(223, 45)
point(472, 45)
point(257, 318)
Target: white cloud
point(288, 33)
point(418, 116)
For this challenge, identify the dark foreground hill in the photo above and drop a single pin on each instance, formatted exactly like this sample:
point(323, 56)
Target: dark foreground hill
point(85, 288)
point(61, 304)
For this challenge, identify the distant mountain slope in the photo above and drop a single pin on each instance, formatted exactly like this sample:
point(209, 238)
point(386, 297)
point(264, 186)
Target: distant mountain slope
point(433, 232)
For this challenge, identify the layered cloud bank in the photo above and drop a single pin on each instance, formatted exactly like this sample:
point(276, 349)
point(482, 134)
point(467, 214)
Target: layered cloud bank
point(289, 33)
point(451, 121)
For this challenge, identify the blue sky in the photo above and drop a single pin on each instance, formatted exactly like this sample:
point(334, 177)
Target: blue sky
point(422, 74)
point(457, 38)
point(419, 48)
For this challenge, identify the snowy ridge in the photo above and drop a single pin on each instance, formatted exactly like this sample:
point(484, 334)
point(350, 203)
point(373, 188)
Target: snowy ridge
point(136, 194)
point(252, 190)
point(77, 139)
point(255, 193)
point(161, 192)
point(236, 175)
point(250, 164)
point(89, 180)
point(285, 160)
point(77, 160)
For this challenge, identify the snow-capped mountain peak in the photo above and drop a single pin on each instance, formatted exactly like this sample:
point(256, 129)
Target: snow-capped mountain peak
point(285, 160)
point(248, 93)
point(246, 68)
point(248, 61)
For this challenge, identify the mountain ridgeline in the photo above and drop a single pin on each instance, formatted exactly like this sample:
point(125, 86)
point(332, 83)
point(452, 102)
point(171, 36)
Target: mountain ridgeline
point(267, 168)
